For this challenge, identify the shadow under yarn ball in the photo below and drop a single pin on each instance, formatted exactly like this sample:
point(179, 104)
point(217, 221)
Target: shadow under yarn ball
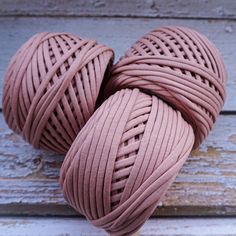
point(51, 88)
point(168, 90)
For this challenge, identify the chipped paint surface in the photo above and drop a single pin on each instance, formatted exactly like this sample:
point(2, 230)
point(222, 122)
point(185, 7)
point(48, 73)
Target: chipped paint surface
point(232, 138)
point(49, 226)
point(206, 184)
point(141, 8)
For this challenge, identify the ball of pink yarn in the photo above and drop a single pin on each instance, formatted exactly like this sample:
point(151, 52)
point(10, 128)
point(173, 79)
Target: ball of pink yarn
point(124, 159)
point(51, 88)
point(131, 149)
point(180, 66)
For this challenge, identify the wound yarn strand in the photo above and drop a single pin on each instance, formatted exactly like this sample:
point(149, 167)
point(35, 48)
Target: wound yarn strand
point(163, 98)
point(51, 88)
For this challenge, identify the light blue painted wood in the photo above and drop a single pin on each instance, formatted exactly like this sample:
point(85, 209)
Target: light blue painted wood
point(140, 8)
point(153, 227)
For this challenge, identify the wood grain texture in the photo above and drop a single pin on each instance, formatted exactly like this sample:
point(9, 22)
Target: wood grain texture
point(46, 226)
point(118, 33)
point(143, 8)
point(205, 186)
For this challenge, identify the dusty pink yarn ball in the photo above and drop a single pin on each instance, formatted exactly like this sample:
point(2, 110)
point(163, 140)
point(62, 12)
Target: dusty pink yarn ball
point(124, 159)
point(180, 66)
point(51, 88)
point(168, 90)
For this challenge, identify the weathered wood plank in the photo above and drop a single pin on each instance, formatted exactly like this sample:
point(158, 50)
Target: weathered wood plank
point(118, 33)
point(205, 186)
point(147, 8)
point(154, 227)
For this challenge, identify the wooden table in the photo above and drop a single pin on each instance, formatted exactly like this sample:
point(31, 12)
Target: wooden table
point(202, 201)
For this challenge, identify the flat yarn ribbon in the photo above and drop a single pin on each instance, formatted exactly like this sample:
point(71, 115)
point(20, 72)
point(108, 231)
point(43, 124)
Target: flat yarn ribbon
point(167, 92)
point(180, 66)
point(51, 88)
point(124, 159)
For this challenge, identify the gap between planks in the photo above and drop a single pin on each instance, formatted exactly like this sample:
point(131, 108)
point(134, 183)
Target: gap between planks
point(28, 226)
point(206, 184)
point(136, 8)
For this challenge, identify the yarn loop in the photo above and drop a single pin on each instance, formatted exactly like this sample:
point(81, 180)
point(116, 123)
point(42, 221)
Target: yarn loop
point(51, 88)
point(167, 92)
point(181, 67)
